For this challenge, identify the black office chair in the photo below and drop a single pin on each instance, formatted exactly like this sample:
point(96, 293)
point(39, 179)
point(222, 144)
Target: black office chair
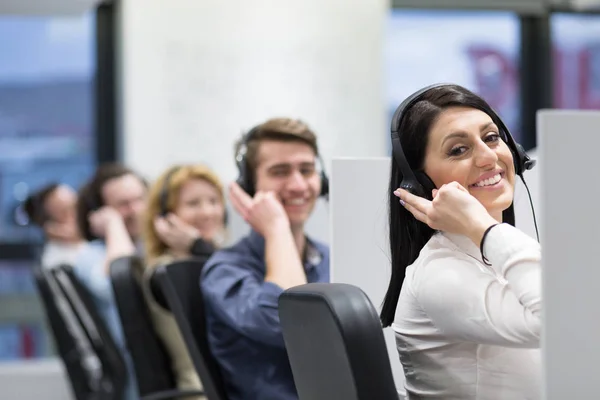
point(179, 283)
point(335, 343)
point(114, 371)
point(151, 361)
point(67, 332)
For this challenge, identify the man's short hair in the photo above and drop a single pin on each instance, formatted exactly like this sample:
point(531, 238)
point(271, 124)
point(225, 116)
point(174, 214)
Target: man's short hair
point(90, 194)
point(278, 129)
point(35, 205)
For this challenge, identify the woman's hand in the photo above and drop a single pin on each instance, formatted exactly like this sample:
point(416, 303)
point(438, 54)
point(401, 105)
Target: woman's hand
point(175, 233)
point(453, 210)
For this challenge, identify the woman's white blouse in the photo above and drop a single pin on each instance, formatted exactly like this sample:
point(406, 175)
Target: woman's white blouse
point(465, 330)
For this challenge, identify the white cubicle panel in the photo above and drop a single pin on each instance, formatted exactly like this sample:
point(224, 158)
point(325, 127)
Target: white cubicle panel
point(359, 253)
point(568, 144)
point(359, 238)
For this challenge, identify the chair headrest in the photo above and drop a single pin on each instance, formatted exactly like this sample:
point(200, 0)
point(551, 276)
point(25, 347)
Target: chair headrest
point(333, 330)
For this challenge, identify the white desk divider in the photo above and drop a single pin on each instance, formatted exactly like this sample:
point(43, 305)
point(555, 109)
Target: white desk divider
point(569, 147)
point(359, 253)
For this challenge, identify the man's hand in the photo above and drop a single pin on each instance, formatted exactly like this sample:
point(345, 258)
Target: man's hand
point(175, 233)
point(102, 218)
point(266, 215)
point(264, 212)
point(108, 224)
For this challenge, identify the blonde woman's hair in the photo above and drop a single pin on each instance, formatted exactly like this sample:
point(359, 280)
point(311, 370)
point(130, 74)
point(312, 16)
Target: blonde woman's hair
point(177, 176)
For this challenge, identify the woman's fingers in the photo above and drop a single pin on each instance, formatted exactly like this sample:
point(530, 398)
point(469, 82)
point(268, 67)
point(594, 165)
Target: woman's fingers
point(418, 203)
point(174, 220)
point(416, 213)
point(418, 206)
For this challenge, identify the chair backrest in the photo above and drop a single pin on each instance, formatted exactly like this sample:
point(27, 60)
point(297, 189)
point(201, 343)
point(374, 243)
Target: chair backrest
point(180, 284)
point(335, 343)
point(64, 338)
point(114, 371)
point(151, 361)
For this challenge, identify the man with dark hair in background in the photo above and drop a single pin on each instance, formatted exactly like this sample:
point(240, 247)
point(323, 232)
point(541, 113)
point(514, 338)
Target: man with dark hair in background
point(241, 284)
point(109, 215)
point(52, 208)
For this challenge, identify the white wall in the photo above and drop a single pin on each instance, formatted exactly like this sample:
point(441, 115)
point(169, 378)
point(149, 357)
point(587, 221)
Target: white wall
point(195, 74)
point(359, 239)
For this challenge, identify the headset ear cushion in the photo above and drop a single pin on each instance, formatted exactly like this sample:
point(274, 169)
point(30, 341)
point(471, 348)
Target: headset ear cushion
point(245, 185)
point(426, 183)
point(324, 184)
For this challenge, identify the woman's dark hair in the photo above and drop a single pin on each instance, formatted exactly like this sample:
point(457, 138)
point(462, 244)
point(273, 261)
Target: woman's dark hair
point(90, 194)
point(408, 235)
point(35, 205)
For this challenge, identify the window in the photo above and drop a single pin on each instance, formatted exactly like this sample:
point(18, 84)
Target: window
point(576, 54)
point(46, 110)
point(478, 50)
point(22, 331)
point(46, 134)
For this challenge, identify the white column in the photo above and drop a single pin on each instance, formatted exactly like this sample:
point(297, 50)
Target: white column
point(194, 74)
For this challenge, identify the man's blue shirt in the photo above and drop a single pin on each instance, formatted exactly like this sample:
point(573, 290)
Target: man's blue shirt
point(243, 321)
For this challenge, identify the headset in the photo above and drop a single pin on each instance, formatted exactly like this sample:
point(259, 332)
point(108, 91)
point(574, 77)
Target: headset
point(245, 179)
point(415, 182)
point(163, 197)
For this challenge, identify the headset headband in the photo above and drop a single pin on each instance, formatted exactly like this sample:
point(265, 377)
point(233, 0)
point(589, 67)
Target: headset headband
point(164, 191)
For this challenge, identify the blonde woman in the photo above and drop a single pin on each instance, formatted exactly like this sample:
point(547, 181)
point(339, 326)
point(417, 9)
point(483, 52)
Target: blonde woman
point(185, 216)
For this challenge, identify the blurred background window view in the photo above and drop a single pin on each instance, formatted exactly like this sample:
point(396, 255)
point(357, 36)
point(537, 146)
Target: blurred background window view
point(46, 134)
point(480, 50)
point(576, 61)
point(475, 49)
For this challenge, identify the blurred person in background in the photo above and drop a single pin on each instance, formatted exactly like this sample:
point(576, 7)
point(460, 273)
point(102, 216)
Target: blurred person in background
point(53, 209)
point(109, 215)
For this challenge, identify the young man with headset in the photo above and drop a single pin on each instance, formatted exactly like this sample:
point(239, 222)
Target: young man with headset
point(281, 178)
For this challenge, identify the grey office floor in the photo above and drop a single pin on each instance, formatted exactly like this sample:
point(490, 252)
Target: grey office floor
point(34, 380)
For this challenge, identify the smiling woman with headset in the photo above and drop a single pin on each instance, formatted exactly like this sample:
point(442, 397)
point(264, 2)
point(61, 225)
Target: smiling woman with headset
point(464, 298)
point(185, 217)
